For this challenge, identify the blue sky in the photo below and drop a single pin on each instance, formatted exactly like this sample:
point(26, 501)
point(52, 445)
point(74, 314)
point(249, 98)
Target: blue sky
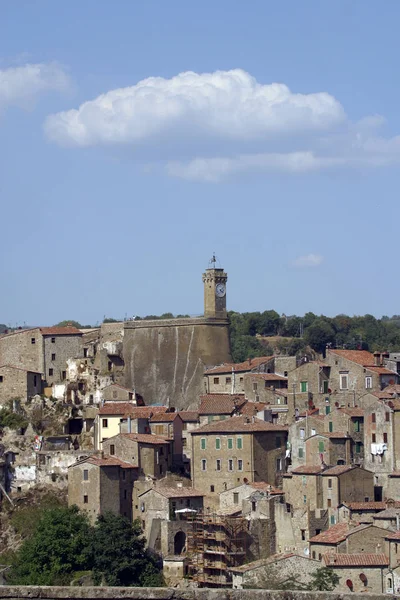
point(136, 138)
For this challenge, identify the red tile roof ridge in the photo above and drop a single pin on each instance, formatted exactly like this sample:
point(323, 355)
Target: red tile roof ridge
point(239, 425)
point(360, 357)
point(335, 534)
point(339, 469)
point(165, 417)
point(246, 365)
point(145, 438)
point(307, 470)
point(176, 492)
point(189, 415)
point(69, 330)
point(363, 559)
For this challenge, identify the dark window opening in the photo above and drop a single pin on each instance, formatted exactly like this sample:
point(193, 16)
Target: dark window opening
point(33, 340)
point(212, 488)
point(51, 371)
point(85, 499)
point(112, 449)
point(53, 340)
point(53, 357)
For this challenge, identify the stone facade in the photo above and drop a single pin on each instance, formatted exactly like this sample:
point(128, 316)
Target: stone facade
point(151, 454)
point(16, 383)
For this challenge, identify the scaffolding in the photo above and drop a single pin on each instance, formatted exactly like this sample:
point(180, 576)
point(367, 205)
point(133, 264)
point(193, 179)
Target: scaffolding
point(215, 544)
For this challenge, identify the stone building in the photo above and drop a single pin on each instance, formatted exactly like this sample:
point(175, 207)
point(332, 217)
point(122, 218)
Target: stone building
point(239, 449)
point(151, 454)
point(308, 386)
point(99, 484)
point(258, 386)
point(299, 431)
point(117, 392)
point(214, 407)
point(170, 426)
point(17, 383)
point(42, 350)
point(164, 513)
point(228, 378)
point(190, 421)
point(343, 484)
point(233, 498)
point(348, 538)
point(365, 572)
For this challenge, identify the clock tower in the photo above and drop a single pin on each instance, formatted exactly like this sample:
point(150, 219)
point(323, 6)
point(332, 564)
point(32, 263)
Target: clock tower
point(214, 280)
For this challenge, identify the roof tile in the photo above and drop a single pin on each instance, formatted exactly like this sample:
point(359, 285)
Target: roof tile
point(247, 365)
point(355, 560)
point(239, 425)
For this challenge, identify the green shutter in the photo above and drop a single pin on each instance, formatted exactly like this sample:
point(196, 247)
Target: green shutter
point(239, 443)
point(301, 453)
point(230, 443)
point(217, 444)
point(327, 410)
point(321, 447)
point(203, 443)
point(330, 426)
point(303, 386)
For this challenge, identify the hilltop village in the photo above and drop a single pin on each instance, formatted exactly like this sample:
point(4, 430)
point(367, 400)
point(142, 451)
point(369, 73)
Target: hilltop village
point(254, 474)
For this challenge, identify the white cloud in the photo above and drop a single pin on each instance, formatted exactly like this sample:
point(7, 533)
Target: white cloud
point(229, 105)
point(212, 126)
point(308, 260)
point(20, 86)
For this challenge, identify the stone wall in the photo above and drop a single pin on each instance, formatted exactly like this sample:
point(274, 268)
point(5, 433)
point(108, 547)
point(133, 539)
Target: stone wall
point(23, 349)
point(110, 593)
point(57, 352)
point(18, 383)
point(165, 360)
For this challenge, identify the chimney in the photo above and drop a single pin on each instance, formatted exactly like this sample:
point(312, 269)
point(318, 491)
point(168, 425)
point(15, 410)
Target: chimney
point(377, 358)
point(249, 359)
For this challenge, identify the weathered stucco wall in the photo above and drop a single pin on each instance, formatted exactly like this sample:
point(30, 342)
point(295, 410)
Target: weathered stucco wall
point(99, 593)
point(166, 359)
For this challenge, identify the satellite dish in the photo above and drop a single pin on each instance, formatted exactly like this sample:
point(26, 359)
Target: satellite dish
point(306, 551)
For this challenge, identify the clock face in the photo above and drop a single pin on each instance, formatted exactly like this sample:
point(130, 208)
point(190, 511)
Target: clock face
point(220, 290)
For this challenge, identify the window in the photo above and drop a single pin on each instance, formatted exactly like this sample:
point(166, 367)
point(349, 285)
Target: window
point(228, 380)
point(368, 383)
point(218, 443)
point(357, 426)
point(112, 449)
point(109, 365)
point(302, 433)
point(239, 443)
point(304, 499)
point(203, 443)
point(304, 386)
point(301, 453)
point(216, 380)
point(254, 386)
point(358, 447)
point(325, 388)
point(327, 410)
point(230, 464)
point(313, 432)
point(304, 479)
point(385, 438)
point(387, 417)
point(51, 372)
point(212, 488)
point(1, 379)
point(53, 357)
point(285, 373)
point(303, 534)
point(235, 498)
point(85, 499)
point(330, 426)
point(85, 475)
point(104, 422)
point(373, 438)
point(344, 381)
point(333, 519)
point(240, 464)
point(203, 464)
point(313, 554)
point(288, 508)
point(125, 494)
point(253, 506)
point(279, 464)
point(115, 394)
point(373, 417)
point(321, 447)
point(230, 443)
point(33, 340)
point(85, 353)
point(329, 484)
point(277, 442)
point(64, 375)
point(53, 340)
point(218, 464)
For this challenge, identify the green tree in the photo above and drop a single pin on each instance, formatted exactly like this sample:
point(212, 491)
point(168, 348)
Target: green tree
point(110, 320)
point(324, 580)
point(70, 323)
point(319, 334)
point(59, 547)
point(120, 558)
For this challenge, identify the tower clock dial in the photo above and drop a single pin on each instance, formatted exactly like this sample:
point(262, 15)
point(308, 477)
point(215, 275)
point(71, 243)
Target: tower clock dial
point(220, 290)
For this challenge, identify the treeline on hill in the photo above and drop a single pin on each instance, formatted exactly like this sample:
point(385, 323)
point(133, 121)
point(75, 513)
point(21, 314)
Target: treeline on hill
point(60, 546)
point(249, 333)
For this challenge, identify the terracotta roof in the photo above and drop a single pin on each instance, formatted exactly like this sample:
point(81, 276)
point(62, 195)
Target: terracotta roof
point(263, 486)
point(388, 513)
point(19, 369)
point(393, 389)
point(252, 408)
point(145, 438)
point(384, 395)
point(189, 415)
point(395, 535)
point(106, 461)
point(361, 357)
point(352, 412)
point(307, 470)
point(335, 534)
point(60, 331)
point(267, 376)
point(183, 492)
point(117, 408)
point(355, 560)
point(239, 425)
point(247, 365)
point(166, 417)
point(220, 404)
point(382, 371)
point(339, 469)
point(309, 413)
